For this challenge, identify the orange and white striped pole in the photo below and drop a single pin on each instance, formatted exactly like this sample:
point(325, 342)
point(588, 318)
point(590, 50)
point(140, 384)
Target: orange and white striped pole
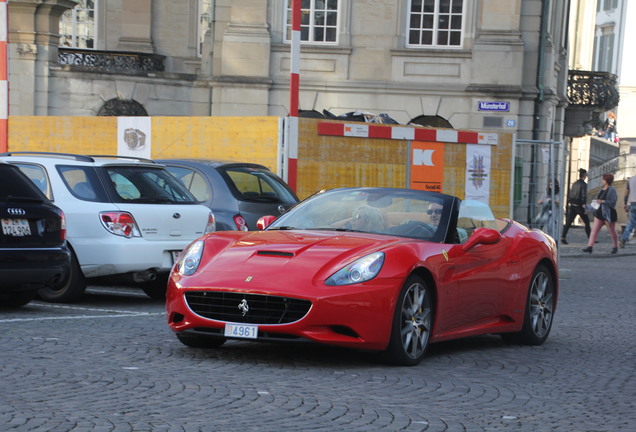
point(294, 86)
point(4, 78)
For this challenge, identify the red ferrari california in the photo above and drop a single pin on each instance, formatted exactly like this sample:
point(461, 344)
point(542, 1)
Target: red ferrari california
point(390, 270)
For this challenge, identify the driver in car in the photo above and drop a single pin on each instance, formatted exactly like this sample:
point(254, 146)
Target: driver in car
point(434, 213)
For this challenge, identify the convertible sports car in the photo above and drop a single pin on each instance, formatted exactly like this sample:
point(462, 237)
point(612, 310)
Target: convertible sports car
point(391, 270)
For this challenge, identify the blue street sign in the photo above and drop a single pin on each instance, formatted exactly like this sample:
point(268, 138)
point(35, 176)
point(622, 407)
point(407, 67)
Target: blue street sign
point(494, 106)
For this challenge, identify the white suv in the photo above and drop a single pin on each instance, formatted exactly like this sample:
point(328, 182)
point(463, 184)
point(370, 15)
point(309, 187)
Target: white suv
point(123, 215)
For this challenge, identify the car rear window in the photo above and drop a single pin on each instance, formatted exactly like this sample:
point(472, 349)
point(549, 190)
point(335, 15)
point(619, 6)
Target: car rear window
point(255, 184)
point(83, 182)
point(141, 184)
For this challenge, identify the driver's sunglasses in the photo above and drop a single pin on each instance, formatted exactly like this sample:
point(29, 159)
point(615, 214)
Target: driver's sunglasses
point(436, 211)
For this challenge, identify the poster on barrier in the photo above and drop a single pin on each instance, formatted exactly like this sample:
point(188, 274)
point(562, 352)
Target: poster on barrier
point(133, 137)
point(427, 166)
point(478, 158)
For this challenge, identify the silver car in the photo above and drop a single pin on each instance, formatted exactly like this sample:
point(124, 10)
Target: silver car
point(125, 216)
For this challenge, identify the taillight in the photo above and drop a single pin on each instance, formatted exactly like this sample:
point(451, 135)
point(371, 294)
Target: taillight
point(62, 226)
point(120, 223)
point(241, 225)
point(211, 226)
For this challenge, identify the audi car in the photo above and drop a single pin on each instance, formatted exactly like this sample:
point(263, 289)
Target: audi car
point(33, 249)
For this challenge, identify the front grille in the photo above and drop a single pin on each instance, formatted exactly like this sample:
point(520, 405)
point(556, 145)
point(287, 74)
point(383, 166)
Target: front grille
point(263, 309)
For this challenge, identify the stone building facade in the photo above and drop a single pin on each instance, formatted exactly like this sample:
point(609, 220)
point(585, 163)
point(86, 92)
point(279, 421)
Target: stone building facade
point(476, 64)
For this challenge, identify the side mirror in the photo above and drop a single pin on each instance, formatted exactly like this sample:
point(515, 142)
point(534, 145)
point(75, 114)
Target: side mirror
point(264, 221)
point(485, 236)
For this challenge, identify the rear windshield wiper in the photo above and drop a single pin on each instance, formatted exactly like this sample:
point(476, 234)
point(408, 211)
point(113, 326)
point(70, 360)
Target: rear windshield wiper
point(152, 201)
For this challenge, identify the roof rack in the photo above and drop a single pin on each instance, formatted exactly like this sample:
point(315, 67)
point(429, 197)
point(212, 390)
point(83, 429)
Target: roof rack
point(123, 157)
point(62, 155)
point(82, 158)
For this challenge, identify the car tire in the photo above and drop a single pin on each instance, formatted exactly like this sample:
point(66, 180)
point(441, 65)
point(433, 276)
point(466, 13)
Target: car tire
point(156, 289)
point(70, 290)
point(539, 310)
point(197, 341)
point(17, 300)
point(412, 324)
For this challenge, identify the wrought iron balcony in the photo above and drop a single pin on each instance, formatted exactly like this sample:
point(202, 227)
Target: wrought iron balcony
point(590, 95)
point(111, 61)
point(593, 89)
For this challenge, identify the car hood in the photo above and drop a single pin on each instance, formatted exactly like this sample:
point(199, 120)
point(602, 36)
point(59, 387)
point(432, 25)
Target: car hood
point(281, 260)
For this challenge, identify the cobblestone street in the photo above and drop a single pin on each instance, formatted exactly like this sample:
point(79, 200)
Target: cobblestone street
point(109, 363)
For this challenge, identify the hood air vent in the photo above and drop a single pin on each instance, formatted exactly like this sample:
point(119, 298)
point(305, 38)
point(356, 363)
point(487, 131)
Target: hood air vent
point(275, 253)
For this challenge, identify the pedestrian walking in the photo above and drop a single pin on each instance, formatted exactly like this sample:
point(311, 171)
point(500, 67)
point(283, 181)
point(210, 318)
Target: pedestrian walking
point(546, 218)
point(604, 213)
point(630, 208)
point(577, 198)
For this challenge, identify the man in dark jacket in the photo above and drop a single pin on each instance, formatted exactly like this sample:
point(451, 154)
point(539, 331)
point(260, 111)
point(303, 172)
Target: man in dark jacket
point(576, 205)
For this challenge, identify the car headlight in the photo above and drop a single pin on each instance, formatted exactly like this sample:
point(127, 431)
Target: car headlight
point(190, 258)
point(361, 270)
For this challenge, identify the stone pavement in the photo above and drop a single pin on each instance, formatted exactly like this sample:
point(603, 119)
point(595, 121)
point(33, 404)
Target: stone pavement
point(109, 363)
point(577, 240)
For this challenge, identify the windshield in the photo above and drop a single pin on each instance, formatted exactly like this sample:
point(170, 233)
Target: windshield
point(398, 212)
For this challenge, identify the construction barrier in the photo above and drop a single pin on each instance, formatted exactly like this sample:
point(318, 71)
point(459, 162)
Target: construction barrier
point(468, 164)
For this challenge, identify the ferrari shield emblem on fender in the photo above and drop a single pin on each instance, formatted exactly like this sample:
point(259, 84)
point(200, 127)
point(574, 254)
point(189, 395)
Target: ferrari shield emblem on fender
point(445, 254)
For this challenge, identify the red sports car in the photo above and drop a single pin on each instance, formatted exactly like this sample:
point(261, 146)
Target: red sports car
point(391, 270)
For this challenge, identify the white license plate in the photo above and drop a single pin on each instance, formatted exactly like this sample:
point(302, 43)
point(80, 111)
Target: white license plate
point(245, 331)
point(175, 256)
point(16, 227)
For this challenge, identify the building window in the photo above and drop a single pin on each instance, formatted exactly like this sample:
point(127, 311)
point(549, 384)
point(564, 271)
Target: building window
point(77, 26)
point(606, 5)
point(318, 22)
point(205, 18)
point(435, 23)
point(604, 50)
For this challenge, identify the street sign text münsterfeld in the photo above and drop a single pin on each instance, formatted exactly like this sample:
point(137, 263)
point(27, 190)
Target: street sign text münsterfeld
point(494, 106)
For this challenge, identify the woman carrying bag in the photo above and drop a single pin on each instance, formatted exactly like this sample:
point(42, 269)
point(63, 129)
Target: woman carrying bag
point(605, 213)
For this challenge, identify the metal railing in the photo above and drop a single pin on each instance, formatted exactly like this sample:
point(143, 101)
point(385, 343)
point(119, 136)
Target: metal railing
point(597, 89)
point(622, 166)
point(536, 163)
point(111, 61)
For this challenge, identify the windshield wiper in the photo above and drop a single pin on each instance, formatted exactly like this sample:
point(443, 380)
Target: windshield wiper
point(282, 228)
point(332, 229)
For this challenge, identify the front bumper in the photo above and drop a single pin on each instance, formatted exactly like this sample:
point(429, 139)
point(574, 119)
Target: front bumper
point(356, 316)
